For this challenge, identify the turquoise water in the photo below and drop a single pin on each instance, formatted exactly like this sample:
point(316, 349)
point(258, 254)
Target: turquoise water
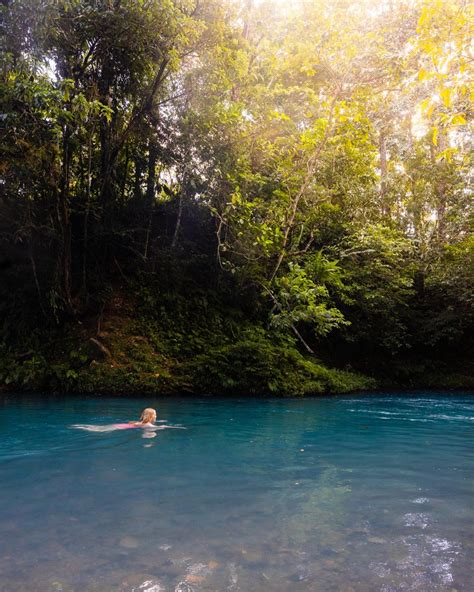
point(345, 494)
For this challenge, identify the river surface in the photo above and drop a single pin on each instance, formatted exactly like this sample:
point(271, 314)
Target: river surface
point(346, 494)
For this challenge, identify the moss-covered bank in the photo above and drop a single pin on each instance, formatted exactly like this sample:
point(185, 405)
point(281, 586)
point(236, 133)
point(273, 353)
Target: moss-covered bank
point(142, 337)
point(146, 342)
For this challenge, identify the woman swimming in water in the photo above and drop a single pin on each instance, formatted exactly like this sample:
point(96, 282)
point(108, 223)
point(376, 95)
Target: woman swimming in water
point(147, 420)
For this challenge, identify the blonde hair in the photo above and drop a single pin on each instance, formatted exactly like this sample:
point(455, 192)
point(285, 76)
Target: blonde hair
point(148, 415)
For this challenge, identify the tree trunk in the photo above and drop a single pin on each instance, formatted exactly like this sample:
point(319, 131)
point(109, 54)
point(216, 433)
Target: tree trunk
point(85, 237)
point(174, 242)
point(33, 262)
point(137, 189)
point(247, 19)
point(150, 192)
point(182, 195)
point(65, 224)
point(383, 176)
point(440, 189)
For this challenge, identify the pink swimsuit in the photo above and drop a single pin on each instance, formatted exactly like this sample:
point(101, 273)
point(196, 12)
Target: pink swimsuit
point(127, 426)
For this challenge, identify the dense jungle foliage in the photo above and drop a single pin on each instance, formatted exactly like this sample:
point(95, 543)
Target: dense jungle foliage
point(213, 196)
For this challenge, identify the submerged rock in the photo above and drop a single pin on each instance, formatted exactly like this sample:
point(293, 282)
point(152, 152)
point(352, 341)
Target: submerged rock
point(194, 578)
point(129, 542)
point(197, 572)
point(252, 557)
point(198, 569)
point(135, 580)
point(303, 574)
point(376, 540)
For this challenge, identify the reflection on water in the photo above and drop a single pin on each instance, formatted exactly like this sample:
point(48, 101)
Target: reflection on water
point(349, 494)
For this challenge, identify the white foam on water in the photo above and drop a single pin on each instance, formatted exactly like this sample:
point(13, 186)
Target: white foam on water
point(233, 576)
point(420, 500)
point(441, 544)
point(429, 564)
point(113, 427)
point(419, 520)
point(183, 587)
point(199, 569)
point(456, 417)
point(149, 586)
point(380, 569)
point(96, 428)
point(444, 570)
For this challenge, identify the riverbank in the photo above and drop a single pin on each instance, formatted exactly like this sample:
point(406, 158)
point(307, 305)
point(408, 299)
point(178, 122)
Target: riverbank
point(126, 351)
point(134, 345)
